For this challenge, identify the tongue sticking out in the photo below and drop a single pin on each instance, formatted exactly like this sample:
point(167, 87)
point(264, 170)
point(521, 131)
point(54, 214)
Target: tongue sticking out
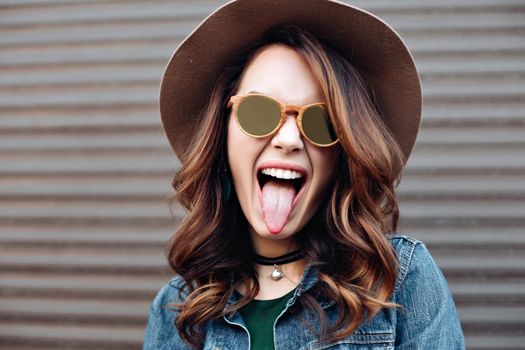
point(277, 199)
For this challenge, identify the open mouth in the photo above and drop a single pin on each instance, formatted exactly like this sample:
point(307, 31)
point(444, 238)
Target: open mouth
point(279, 192)
point(295, 178)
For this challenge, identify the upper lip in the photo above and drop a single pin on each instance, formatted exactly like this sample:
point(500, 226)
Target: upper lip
point(282, 165)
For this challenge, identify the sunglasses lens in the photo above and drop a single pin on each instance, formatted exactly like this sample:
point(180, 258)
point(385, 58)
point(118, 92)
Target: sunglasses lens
point(317, 127)
point(258, 115)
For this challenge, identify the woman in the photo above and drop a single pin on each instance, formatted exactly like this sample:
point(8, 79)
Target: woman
point(292, 124)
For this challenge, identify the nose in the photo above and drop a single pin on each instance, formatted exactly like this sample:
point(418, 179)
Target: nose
point(288, 137)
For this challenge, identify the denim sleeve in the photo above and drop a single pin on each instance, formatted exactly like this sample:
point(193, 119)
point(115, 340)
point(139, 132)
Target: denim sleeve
point(161, 332)
point(427, 318)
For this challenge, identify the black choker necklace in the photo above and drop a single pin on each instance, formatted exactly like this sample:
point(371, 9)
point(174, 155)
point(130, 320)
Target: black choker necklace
point(277, 273)
point(279, 260)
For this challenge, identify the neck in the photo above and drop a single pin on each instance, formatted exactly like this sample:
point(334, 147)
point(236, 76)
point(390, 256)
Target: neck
point(272, 248)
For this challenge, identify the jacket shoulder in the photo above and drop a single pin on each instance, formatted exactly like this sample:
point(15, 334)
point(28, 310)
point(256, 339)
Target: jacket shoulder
point(427, 317)
point(400, 241)
point(406, 248)
point(173, 292)
point(161, 332)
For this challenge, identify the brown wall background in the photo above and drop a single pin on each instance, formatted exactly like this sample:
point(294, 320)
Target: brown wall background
point(85, 168)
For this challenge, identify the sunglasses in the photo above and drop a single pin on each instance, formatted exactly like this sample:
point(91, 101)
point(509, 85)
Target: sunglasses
point(260, 116)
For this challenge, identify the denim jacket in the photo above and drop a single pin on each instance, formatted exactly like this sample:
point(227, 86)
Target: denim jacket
point(427, 317)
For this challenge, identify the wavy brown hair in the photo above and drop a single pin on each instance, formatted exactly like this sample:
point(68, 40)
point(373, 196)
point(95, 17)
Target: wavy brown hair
point(211, 249)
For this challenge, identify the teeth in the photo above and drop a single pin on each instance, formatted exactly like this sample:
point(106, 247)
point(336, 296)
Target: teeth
point(282, 174)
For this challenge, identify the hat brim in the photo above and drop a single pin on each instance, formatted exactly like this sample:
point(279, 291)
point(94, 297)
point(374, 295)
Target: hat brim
point(367, 42)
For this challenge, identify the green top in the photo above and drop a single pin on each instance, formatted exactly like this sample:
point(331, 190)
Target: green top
point(259, 316)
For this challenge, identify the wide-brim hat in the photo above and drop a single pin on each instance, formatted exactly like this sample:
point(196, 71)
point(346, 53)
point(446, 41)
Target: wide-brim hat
point(366, 41)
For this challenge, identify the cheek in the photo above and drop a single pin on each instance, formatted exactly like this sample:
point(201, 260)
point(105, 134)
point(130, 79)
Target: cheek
point(231, 138)
point(242, 152)
point(234, 153)
point(323, 164)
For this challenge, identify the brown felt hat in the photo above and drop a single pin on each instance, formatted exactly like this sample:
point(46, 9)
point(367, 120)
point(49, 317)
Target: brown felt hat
point(367, 42)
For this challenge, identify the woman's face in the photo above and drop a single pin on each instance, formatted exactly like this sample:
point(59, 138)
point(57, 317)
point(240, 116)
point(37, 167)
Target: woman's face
point(275, 208)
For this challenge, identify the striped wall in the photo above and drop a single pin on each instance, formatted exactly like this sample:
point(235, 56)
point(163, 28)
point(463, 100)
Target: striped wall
point(85, 169)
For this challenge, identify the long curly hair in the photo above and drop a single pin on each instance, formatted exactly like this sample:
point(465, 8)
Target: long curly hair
point(211, 248)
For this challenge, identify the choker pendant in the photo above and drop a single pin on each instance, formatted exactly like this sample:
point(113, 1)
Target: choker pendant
point(277, 273)
point(276, 262)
